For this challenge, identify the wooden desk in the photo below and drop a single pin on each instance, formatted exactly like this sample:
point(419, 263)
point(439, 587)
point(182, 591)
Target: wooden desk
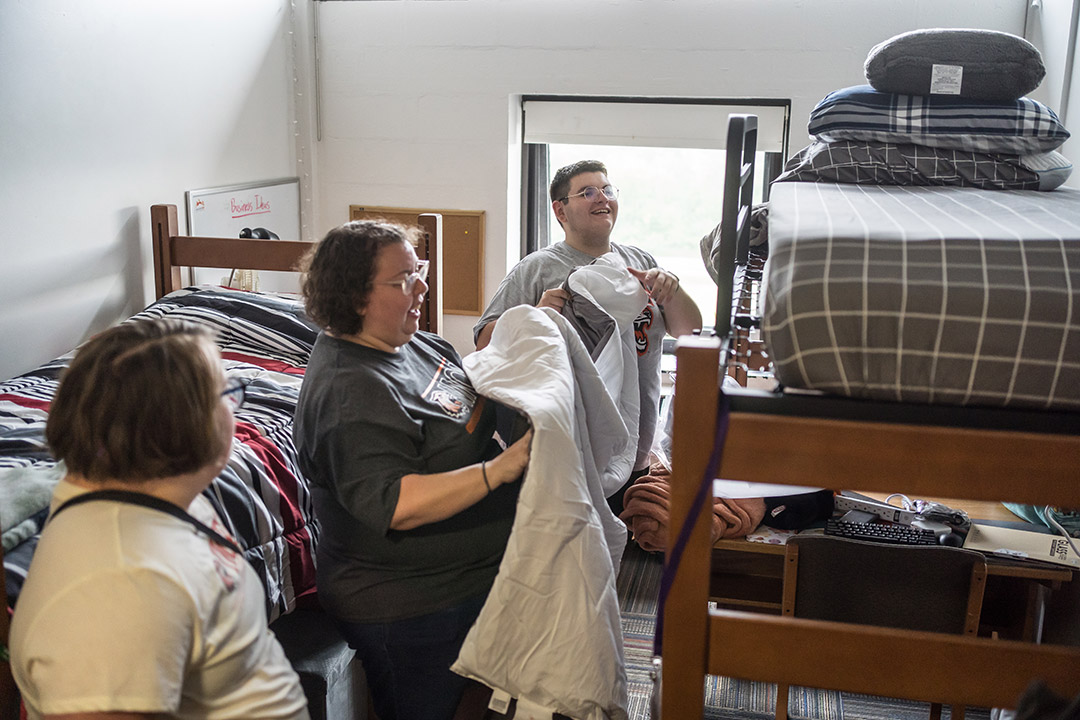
point(749, 576)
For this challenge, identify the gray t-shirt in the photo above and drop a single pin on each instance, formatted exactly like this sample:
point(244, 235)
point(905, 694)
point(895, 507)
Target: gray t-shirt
point(548, 268)
point(364, 419)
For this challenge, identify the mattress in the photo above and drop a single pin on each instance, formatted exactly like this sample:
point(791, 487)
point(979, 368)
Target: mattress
point(261, 495)
point(925, 294)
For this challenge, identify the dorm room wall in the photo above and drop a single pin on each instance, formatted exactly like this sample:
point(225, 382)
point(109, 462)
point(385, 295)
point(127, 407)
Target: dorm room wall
point(109, 107)
point(112, 106)
point(418, 100)
point(1054, 27)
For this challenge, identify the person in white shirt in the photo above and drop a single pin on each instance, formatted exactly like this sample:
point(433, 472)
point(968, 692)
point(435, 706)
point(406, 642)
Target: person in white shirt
point(138, 603)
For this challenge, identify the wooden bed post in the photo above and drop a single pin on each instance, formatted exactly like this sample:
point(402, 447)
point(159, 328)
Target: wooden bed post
point(431, 311)
point(163, 225)
point(685, 633)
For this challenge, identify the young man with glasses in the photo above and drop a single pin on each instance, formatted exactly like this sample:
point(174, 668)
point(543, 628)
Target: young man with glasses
point(586, 205)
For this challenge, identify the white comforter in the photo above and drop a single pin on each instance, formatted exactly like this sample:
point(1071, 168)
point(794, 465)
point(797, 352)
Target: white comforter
point(549, 634)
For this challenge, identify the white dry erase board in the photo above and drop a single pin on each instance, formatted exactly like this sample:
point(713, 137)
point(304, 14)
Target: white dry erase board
point(226, 211)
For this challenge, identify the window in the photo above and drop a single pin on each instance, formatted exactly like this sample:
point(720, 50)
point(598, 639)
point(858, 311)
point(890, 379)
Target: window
point(668, 199)
point(667, 159)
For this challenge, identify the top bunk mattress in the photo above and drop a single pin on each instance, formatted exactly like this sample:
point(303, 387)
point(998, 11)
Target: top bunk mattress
point(925, 294)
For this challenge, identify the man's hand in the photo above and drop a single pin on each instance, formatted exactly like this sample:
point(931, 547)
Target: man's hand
point(554, 298)
point(661, 284)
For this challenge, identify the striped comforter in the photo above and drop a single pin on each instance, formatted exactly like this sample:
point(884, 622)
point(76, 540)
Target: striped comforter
point(261, 495)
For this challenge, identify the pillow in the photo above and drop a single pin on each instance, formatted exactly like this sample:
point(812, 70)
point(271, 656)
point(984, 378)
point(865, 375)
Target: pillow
point(1052, 167)
point(864, 162)
point(976, 64)
point(1014, 127)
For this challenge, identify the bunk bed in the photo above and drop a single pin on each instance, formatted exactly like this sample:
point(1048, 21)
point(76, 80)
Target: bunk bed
point(866, 436)
point(262, 496)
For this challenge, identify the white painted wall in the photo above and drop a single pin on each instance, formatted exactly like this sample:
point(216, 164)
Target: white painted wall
point(1052, 27)
point(106, 108)
point(415, 96)
point(111, 106)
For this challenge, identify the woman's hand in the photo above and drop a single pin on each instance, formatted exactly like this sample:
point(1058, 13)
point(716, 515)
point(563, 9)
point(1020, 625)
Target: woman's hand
point(425, 499)
point(509, 466)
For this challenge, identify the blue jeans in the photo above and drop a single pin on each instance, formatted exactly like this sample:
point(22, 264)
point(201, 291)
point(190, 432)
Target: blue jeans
point(407, 662)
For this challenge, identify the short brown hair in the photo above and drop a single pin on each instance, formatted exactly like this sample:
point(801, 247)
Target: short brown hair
point(339, 270)
point(560, 184)
point(138, 402)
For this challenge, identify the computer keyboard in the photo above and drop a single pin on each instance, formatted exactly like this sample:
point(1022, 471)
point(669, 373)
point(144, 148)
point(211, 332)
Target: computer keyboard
point(894, 533)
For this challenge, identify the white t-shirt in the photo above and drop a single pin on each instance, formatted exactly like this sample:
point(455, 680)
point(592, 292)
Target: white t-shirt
point(129, 609)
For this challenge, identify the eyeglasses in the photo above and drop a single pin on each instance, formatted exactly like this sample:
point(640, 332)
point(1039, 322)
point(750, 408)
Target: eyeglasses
point(408, 282)
point(592, 193)
point(234, 393)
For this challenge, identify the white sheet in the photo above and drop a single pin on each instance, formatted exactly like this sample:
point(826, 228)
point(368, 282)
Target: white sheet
point(550, 630)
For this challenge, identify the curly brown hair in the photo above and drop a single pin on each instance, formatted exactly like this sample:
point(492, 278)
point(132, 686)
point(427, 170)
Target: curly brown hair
point(138, 402)
point(339, 270)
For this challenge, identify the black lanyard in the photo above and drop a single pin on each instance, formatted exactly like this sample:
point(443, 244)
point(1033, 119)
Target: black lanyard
point(149, 501)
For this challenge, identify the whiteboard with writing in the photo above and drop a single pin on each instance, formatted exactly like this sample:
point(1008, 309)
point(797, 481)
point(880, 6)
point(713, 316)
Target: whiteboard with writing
point(226, 211)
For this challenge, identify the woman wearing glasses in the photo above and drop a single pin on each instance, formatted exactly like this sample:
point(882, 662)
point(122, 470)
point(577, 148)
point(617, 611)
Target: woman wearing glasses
point(137, 603)
point(413, 491)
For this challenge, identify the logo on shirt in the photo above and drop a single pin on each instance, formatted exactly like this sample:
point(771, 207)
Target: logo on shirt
point(226, 562)
point(450, 391)
point(641, 329)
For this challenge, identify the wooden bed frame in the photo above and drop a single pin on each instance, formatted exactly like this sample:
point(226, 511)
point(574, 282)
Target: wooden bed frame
point(173, 251)
point(1021, 456)
point(920, 460)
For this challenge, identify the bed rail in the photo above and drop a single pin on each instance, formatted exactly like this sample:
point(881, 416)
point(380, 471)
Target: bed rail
point(735, 229)
point(974, 463)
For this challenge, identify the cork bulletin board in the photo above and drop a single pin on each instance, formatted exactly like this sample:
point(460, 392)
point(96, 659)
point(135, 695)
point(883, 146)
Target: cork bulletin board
point(462, 251)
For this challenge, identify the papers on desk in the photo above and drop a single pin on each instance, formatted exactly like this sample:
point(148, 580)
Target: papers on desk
point(1021, 545)
point(736, 489)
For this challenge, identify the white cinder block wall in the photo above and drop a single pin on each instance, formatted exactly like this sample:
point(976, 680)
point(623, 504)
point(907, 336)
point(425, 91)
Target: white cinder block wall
point(111, 106)
point(418, 98)
point(106, 108)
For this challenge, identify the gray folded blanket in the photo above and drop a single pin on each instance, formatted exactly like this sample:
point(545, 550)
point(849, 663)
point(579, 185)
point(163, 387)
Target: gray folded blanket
point(24, 492)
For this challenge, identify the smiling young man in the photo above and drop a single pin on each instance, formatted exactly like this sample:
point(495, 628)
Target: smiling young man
point(586, 205)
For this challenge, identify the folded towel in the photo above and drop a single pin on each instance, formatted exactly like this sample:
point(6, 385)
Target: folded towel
point(23, 531)
point(25, 491)
point(646, 511)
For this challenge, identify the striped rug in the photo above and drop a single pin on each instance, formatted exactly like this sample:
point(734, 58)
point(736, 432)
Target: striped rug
point(726, 698)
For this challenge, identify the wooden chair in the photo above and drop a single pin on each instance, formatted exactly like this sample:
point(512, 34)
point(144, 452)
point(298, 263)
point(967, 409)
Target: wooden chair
point(913, 587)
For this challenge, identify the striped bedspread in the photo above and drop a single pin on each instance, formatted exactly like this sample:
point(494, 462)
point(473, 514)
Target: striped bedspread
point(926, 294)
point(261, 495)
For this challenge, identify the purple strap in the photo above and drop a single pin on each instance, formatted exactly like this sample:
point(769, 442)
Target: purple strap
point(704, 491)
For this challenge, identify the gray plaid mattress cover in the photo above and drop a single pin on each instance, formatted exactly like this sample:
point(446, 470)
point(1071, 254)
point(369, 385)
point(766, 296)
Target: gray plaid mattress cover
point(925, 294)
